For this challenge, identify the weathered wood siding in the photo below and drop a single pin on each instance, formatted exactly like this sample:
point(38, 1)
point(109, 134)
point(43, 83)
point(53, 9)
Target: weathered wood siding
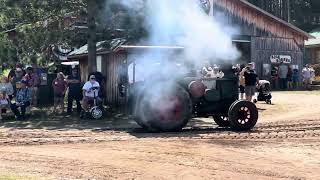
point(313, 55)
point(112, 64)
point(253, 22)
point(83, 66)
point(268, 36)
point(265, 47)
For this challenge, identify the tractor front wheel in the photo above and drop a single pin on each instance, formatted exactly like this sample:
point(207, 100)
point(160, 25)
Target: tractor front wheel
point(243, 115)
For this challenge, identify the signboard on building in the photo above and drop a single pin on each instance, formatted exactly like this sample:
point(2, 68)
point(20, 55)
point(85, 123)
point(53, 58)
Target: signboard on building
point(280, 59)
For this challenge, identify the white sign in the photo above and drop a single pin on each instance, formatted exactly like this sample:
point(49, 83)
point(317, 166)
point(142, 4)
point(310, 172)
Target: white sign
point(280, 59)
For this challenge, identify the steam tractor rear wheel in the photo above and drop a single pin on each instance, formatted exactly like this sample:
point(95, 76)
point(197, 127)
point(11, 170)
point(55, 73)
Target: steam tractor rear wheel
point(221, 120)
point(164, 110)
point(243, 115)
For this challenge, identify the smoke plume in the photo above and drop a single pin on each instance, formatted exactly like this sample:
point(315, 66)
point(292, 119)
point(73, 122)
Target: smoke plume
point(181, 23)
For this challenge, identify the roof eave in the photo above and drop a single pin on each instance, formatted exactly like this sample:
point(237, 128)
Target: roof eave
point(307, 35)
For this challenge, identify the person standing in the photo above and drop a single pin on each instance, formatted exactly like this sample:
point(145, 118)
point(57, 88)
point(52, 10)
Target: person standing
point(283, 72)
point(295, 78)
point(74, 90)
point(289, 78)
point(33, 83)
point(59, 88)
point(241, 85)
point(306, 76)
point(251, 80)
point(16, 79)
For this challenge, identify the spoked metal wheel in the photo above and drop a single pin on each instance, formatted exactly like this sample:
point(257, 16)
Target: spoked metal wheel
point(96, 113)
point(222, 120)
point(243, 115)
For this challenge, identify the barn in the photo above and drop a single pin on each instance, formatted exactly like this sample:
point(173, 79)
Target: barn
point(262, 39)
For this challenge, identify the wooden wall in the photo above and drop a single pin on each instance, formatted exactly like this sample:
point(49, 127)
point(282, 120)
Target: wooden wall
point(111, 65)
point(313, 55)
point(264, 47)
point(83, 66)
point(253, 22)
point(268, 36)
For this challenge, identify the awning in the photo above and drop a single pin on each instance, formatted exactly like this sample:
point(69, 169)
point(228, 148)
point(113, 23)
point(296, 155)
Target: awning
point(71, 63)
point(241, 38)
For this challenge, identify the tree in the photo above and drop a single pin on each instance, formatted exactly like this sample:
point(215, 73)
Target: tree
point(39, 25)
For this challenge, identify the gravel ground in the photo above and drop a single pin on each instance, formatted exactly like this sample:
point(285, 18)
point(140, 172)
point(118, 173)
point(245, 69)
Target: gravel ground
point(284, 145)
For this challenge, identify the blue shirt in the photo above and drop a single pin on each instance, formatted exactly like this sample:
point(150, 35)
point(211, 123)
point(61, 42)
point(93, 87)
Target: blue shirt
point(23, 95)
point(295, 76)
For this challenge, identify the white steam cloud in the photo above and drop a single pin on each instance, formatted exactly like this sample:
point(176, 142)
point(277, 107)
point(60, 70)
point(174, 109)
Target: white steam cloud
point(177, 23)
point(184, 23)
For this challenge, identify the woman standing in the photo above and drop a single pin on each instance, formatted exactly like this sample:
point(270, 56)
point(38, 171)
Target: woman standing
point(59, 89)
point(289, 78)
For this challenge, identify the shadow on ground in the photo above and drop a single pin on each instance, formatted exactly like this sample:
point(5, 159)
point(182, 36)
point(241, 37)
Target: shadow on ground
point(42, 119)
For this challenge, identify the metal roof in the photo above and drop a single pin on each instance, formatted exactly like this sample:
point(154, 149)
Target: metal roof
point(313, 42)
point(103, 47)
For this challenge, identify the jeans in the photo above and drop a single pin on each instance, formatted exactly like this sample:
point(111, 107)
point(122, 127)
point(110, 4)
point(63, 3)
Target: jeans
point(283, 83)
point(15, 109)
point(71, 98)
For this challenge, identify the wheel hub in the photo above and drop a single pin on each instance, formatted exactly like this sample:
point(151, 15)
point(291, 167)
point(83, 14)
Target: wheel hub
point(244, 115)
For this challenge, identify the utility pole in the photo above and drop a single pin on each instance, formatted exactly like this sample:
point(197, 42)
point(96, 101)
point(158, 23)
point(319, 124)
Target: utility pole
point(92, 37)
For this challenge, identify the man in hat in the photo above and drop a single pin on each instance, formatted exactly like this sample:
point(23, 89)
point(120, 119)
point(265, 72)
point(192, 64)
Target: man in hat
point(23, 99)
point(88, 92)
point(251, 80)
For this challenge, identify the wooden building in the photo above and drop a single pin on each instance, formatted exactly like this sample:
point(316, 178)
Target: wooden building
point(262, 38)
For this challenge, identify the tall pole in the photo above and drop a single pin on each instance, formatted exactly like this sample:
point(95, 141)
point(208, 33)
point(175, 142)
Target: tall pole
point(289, 11)
point(92, 49)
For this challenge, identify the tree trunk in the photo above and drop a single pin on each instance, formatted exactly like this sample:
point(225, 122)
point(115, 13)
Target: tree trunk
point(92, 49)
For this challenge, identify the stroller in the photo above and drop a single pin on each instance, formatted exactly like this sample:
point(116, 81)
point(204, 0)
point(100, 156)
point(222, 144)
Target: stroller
point(264, 94)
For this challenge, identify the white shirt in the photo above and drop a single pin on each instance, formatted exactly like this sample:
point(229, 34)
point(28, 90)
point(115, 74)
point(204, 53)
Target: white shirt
point(306, 73)
point(88, 87)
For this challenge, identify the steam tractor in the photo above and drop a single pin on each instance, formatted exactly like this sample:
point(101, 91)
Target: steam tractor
point(168, 101)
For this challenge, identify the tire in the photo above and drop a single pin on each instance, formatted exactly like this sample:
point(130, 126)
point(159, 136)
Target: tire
point(137, 116)
point(222, 121)
point(167, 111)
point(96, 113)
point(243, 115)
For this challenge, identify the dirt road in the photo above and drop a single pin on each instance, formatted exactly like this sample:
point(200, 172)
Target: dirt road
point(285, 145)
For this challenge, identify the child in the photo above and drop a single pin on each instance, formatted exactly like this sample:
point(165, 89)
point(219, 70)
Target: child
point(4, 101)
point(59, 88)
point(6, 86)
